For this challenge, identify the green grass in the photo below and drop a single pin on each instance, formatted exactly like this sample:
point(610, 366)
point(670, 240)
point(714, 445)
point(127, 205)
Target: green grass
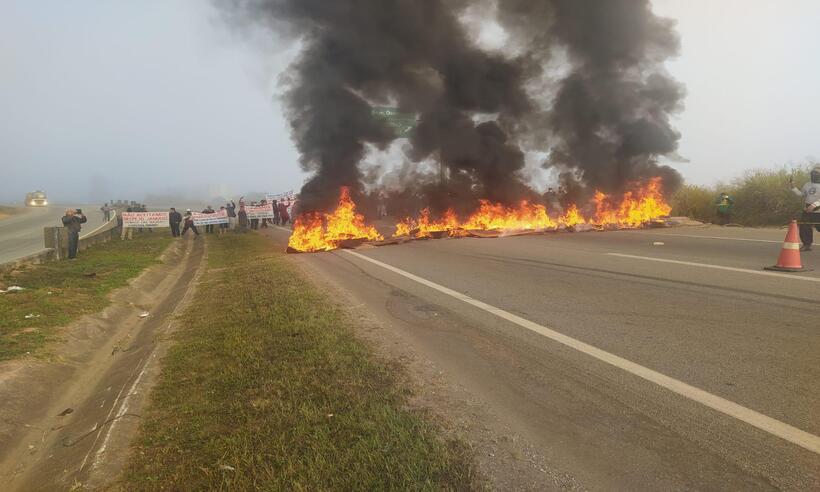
point(266, 388)
point(62, 291)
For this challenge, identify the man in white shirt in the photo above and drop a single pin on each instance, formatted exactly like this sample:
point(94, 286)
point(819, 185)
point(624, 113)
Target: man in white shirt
point(810, 219)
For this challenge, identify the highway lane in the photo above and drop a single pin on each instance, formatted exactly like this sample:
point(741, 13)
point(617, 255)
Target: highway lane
point(22, 234)
point(750, 339)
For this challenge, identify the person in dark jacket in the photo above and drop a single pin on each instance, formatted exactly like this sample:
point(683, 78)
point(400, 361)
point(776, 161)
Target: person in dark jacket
point(174, 219)
point(231, 208)
point(189, 224)
point(243, 218)
point(275, 212)
point(73, 221)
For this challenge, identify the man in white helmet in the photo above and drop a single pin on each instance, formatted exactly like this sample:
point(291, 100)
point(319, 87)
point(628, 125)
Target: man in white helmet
point(810, 219)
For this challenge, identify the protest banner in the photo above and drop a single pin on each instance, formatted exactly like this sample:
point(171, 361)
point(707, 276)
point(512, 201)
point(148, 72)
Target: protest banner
point(132, 220)
point(259, 211)
point(288, 196)
point(218, 217)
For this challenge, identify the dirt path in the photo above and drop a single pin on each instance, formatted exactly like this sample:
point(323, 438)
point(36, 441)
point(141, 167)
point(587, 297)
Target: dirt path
point(68, 422)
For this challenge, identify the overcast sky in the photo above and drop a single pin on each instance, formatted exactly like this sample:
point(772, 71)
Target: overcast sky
point(118, 98)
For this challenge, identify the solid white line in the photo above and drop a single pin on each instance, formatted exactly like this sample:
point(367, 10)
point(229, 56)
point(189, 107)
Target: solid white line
point(704, 237)
point(720, 267)
point(762, 422)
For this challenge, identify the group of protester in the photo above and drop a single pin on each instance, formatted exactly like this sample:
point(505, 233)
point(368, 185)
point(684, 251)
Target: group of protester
point(127, 232)
point(237, 218)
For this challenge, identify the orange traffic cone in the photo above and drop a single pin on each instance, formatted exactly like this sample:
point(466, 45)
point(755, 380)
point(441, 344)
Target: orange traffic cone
point(789, 260)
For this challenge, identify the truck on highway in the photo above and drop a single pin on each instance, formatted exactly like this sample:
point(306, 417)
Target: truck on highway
point(36, 199)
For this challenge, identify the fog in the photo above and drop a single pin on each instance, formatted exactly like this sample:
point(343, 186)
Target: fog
point(120, 99)
point(117, 99)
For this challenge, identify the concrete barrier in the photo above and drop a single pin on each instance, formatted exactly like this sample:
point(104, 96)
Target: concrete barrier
point(42, 256)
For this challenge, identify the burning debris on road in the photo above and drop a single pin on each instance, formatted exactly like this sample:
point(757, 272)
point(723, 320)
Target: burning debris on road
point(346, 228)
point(323, 232)
point(577, 87)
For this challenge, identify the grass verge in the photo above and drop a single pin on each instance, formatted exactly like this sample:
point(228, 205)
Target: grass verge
point(267, 388)
point(59, 292)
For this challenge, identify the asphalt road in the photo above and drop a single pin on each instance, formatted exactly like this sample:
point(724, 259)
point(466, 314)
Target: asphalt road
point(623, 371)
point(22, 234)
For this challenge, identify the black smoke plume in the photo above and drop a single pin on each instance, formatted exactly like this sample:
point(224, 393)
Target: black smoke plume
point(607, 123)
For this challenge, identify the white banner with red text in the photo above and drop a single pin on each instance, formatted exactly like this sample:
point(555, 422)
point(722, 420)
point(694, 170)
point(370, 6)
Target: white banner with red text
point(259, 211)
point(218, 217)
point(131, 220)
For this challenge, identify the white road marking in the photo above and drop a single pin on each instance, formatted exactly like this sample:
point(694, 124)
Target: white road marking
point(705, 237)
point(751, 417)
point(719, 267)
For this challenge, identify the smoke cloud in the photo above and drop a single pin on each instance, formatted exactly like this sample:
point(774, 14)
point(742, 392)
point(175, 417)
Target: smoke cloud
point(604, 123)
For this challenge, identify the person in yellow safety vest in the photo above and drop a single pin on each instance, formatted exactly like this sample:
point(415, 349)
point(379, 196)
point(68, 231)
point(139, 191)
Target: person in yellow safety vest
point(810, 218)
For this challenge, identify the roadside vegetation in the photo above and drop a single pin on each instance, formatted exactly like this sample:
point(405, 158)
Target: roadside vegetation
point(57, 293)
point(762, 198)
point(266, 387)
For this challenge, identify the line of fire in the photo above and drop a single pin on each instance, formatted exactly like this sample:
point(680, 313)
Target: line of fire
point(345, 227)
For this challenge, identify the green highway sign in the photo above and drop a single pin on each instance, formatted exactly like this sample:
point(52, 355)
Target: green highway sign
point(402, 123)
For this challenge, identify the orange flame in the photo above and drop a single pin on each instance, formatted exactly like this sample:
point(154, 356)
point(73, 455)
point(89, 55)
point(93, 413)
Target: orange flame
point(447, 223)
point(634, 210)
point(315, 232)
point(572, 217)
point(494, 216)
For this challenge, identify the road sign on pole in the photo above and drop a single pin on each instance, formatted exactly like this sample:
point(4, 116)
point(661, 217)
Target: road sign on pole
point(401, 123)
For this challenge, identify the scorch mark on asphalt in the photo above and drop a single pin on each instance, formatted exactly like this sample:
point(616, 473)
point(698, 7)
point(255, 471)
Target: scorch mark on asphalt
point(790, 276)
point(772, 426)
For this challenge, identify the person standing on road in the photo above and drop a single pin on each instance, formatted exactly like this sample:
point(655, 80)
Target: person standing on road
point(128, 232)
point(209, 228)
point(283, 212)
point(254, 220)
point(174, 219)
point(231, 208)
point(724, 203)
point(223, 228)
point(73, 221)
point(275, 205)
point(243, 218)
point(189, 224)
point(810, 218)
